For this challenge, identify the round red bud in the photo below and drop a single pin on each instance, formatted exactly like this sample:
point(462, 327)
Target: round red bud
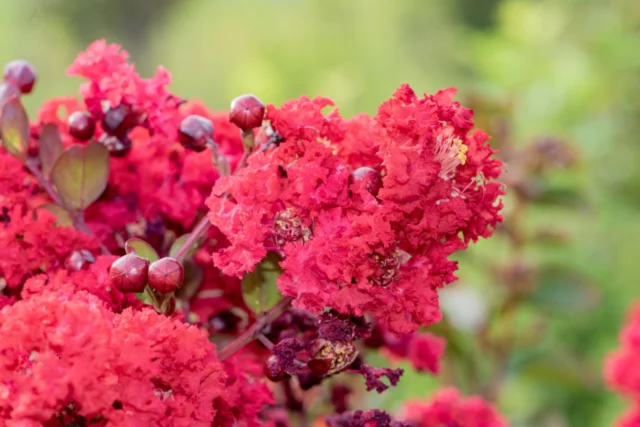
point(195, 132)
point(81, 126)
point(79, 259)
point(119, 120)
point(370, 179)
point(246, 112)
point(166, 275)
point(22, 74)
point(273, 370)
point(118, 146)
point(129, 273)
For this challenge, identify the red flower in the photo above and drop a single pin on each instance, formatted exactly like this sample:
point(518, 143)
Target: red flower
point(448, 407)
point(622, 368)
point(423, 350)
point(343, 247)
point(68, 350)
point(32, 245)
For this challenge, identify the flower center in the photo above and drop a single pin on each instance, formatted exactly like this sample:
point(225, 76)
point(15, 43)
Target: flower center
point(450, 152)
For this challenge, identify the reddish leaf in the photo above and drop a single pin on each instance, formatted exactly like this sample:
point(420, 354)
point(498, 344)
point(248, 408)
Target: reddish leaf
point(80, 174)
point(14, 128)
point(49, 147)
point(141, 248)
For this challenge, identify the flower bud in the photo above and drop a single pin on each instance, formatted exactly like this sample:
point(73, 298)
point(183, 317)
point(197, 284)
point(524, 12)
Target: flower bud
point(22, 74)
point(81, 126)
point(370, 179)
point(78, 259)
point(120, 119)
point(129, 273)
point(166, 275)
point(118, 146)
point(246, 112)
point(195, 132)
point(273, 370)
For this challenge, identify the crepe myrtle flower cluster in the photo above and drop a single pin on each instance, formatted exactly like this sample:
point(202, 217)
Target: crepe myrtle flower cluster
point(166, 265)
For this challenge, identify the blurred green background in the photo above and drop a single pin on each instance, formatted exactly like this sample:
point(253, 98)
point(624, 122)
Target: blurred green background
point(563, 68)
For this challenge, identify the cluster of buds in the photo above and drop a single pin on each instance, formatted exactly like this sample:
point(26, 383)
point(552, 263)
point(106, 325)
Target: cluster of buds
point(133, 273)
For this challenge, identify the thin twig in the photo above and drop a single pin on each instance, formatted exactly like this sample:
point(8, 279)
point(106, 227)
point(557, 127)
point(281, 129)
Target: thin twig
point(200, 230)
point(33, 168)
point(252, 333)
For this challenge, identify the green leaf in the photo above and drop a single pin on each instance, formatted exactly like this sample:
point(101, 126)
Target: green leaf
point(259, 286)
point(63, 218)
point(14, 128)
point(49, 147)
point(141, 248)
point(80, 174)
point(178, 244)
point(193, 275)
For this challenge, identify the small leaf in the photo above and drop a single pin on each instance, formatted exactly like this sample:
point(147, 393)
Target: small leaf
point(63, 218)
point(80, 174)
point(193, 275)
point(259, 286)
point(178, 244)
point(49, 147)
point(14, 128)
point(141, 248)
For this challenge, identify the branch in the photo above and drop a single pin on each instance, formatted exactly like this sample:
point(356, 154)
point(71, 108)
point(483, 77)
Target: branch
point(33, 168)
point(254, 330)
point(200, 230)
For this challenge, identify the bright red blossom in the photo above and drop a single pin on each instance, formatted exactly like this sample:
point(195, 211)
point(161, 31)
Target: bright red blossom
point(347, 249)
point(133, 368)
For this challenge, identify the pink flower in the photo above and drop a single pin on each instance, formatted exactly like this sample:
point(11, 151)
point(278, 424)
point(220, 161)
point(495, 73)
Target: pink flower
point(622, 367)
point(342, 246)
point(62, 351)
point(448, 407)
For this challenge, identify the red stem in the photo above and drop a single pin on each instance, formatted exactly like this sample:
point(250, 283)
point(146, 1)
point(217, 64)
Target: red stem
point(200, 230)
point(33, 168)
point(254, 330)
